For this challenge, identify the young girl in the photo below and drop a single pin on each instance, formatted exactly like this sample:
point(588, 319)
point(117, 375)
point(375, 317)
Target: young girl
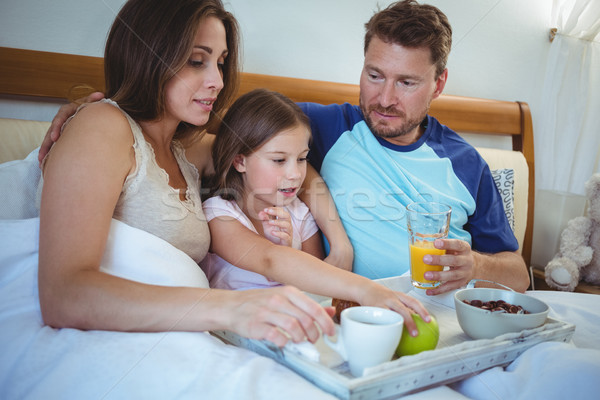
point(261, 152)
point(260, 163)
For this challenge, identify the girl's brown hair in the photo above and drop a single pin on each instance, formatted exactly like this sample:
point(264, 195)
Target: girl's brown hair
point(252, 120)
point(149, 42)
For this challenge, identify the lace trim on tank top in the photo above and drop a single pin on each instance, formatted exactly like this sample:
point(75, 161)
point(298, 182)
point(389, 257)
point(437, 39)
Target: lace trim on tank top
point(172, 198)
point(181, 223)
point(144, 154)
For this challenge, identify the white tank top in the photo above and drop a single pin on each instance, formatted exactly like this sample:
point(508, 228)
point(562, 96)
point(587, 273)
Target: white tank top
point(147, 202)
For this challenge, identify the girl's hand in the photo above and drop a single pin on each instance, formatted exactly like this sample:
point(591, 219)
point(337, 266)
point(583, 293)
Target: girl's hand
point(277, 225)
point(279, 315)
point(381, 296)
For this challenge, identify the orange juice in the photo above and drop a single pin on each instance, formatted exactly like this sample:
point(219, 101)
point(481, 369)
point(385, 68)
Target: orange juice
point(418, 267)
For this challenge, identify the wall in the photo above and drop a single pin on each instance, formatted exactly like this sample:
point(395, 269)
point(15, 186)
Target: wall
point(499, 45)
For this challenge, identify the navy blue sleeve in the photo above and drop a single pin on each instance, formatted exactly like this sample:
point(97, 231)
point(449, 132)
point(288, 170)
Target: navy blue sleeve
point(327, 124)
point(489, 227)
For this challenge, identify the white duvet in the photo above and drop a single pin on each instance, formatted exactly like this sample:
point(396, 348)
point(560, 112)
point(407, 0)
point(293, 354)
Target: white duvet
point(40, 362)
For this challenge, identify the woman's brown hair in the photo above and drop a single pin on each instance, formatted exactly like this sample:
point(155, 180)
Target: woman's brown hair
point(252, 120)
point(149, 42)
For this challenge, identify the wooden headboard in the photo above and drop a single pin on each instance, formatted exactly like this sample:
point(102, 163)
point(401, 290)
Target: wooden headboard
point(53, 75)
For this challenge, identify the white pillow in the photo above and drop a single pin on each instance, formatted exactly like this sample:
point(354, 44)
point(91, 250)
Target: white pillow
point(505, 182)
point(19, 181)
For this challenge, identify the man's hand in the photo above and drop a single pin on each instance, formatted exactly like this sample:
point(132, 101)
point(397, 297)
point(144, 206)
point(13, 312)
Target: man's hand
point(341, 256)
point(507, 268)
point(60, 118)
point(459, 258)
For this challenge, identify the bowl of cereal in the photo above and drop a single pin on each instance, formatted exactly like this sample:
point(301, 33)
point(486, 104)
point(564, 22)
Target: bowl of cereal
point(484, 313)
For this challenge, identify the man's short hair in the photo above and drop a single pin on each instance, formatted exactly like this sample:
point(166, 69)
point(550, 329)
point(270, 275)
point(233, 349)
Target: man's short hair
point(410, 24)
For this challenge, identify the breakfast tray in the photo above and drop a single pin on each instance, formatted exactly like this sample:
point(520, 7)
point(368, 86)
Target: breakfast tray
point(455, 358)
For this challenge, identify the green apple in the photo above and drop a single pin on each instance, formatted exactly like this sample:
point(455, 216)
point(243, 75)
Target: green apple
point(429, 334)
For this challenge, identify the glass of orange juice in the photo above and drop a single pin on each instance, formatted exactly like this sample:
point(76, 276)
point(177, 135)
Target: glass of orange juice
point(426, 221)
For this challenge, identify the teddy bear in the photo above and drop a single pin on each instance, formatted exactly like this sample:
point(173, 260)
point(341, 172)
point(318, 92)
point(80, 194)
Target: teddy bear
point(579, 254)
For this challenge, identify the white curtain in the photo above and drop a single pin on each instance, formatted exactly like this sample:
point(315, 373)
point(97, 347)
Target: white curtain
point(567, 133)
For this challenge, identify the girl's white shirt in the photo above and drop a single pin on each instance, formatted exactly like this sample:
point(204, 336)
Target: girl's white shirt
point(223, 275)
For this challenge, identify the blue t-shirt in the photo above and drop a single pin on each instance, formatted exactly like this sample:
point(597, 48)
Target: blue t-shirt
point(372, 181)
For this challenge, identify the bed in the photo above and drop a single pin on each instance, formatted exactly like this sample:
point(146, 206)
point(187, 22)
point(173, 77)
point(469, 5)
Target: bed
point(41, 361)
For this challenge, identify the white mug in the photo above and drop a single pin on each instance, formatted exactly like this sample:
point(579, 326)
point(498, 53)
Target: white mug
point(369, 336)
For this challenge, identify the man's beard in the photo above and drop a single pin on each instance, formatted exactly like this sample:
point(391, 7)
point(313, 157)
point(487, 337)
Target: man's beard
point(386, 131)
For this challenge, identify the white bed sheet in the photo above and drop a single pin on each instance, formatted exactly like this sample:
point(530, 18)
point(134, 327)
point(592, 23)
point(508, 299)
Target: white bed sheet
point(37, 361)
point(550, 370)
point(41, 362)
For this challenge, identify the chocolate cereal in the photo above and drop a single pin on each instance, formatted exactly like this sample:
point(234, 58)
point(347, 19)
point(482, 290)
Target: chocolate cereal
point(499, 306)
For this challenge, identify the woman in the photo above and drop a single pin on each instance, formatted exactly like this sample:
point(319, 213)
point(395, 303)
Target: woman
point(168, 66)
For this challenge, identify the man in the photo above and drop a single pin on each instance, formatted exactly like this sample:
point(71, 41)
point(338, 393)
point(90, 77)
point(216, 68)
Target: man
point(381, 156)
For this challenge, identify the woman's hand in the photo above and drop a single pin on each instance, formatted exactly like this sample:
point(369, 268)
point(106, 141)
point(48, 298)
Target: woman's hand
point(277, 225)
point(64, 112)
point(278, 315)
